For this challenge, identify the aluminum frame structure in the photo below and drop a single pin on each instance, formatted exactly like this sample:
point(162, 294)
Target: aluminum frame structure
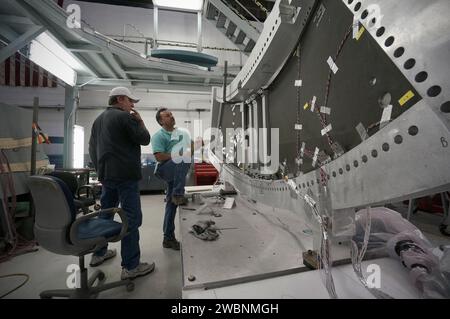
point(407, 158)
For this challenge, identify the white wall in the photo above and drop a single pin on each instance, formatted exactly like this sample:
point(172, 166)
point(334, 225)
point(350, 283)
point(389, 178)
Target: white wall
point(51, 120)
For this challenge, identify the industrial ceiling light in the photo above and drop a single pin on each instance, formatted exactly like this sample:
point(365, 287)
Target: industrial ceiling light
point(50, 55)
point(191, 5)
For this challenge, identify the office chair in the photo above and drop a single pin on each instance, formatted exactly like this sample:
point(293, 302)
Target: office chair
point(81, 202)
point(59, 231)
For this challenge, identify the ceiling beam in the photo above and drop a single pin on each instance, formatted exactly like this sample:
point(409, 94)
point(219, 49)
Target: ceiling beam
point(37, 19)
point(153, 72)
point(10, 19)
point(8, 33)
point(76, 47)
point(149, 84)
point(115, 65)
point(20, 42)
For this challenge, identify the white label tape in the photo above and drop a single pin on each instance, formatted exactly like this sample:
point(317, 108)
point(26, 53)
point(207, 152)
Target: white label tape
point(302, 150)
point(298, 83)
point(313, 103)
point(355, 27)
point(292, 185)
point(332, 65)
point(362, 131)
point(325, 110)
point(387, 114)
point(316, 153)
point(326, 130)
point(298, 127)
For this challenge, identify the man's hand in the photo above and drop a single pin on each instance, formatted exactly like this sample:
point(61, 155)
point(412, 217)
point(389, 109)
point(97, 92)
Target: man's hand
point(136, 115)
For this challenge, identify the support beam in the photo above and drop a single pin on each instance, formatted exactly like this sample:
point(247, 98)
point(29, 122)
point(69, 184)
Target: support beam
point(20, 42)
point(155, 26)
point(70, 109)
point(199, 32)
point(241, 24)
point(76, 47)
point(34, 16)
point(8, 33)
point(15, 19)
point(115, 65)
point(150, 72)
point(100, 62)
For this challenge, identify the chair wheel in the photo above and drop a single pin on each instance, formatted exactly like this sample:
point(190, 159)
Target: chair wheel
point(97, 207)
point(130, 286)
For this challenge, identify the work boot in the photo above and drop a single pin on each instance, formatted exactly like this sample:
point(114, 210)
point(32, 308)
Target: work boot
point(171, 243)
point(179, 200)
point(98, 260)
point(141, 270)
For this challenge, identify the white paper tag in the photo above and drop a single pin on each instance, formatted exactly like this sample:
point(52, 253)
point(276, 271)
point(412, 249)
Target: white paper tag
point(298, 83)
point(332, 65)
point(298, 127)
point(302, 150)
point(313, 103)
point(229, 203)
point(325, 110)
point(316, 153)
point(387, 114)
point(292, 185)
point(355, 27)
point(326, 130)
point(362, 131)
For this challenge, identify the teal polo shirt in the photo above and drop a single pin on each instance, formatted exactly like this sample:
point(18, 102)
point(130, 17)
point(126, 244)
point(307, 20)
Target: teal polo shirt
point(164, 141)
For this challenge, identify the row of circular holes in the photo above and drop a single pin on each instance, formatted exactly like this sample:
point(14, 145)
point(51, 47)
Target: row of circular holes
point(422, 76)
point(413, 131)
point(260, 52)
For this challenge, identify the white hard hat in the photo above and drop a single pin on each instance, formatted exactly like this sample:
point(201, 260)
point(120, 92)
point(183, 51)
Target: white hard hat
point(123, 91)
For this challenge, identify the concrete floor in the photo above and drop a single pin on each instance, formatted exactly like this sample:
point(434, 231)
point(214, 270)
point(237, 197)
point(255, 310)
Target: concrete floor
point(48, 271)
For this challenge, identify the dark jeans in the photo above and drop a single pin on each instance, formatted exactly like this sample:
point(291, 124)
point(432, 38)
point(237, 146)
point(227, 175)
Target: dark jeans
point(175, 176)
point(127, 194)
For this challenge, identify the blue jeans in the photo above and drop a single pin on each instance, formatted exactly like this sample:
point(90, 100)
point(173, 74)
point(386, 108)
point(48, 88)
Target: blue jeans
point(127, 194)
point(175, 176)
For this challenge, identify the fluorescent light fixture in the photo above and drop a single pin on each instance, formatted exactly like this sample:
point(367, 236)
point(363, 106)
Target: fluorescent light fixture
point(191, 5)
point(78, 147)
point(48, 54)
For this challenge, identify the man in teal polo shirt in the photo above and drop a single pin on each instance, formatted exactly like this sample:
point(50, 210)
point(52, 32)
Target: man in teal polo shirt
point(171, 147)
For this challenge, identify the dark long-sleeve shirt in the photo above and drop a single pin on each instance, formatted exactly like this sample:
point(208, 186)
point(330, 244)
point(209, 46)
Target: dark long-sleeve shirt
point(115, 145)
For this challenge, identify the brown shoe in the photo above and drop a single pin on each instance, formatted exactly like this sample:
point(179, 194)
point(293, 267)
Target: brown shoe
point(171, 243)
point(179, 200)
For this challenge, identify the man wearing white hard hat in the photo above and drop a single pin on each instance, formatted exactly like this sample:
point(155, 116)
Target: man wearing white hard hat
point(115, 149)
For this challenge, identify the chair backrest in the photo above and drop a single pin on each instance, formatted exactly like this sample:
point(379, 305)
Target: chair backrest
point(68, 178)
point(54, 213)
